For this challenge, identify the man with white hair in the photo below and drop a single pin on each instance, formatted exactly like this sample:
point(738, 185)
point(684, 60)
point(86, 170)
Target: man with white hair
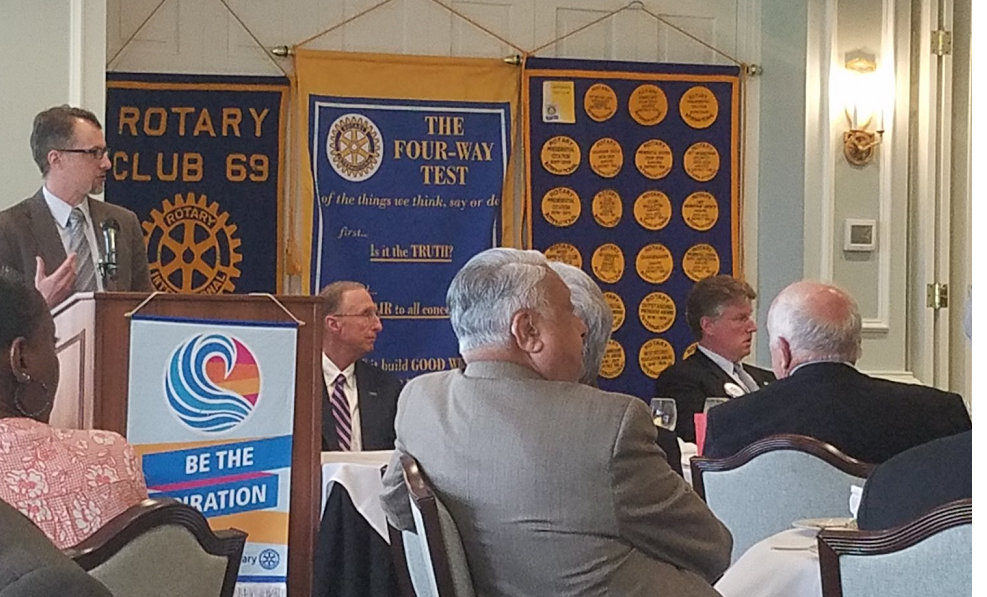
point(594, 311)
point(814, 331)
point(557, 488)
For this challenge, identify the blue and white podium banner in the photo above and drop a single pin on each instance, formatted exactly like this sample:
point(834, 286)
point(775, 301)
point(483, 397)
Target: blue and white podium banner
point(211, 410)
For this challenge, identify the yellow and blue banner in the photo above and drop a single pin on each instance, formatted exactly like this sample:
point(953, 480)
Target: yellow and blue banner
point(406, 176)
point(211, 411)
point(633, 174)
point(199, 159)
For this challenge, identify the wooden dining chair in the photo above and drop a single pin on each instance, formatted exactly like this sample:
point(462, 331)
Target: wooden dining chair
point(434, 554)
point(932, 555)
point(762, 489)
point(160, 548)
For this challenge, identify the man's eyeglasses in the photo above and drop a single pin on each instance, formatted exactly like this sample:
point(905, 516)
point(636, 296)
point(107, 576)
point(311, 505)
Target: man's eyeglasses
point(96, 152)
point(369, 315)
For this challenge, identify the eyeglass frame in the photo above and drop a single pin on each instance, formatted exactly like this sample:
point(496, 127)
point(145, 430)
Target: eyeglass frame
point(94, 152)
point(369, 316)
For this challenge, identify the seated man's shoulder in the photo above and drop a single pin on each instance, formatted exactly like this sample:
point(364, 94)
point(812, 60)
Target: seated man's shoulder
point(887, 387)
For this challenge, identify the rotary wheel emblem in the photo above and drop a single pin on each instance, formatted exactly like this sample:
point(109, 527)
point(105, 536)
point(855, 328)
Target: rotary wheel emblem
point(192, 246)
point(354, 147)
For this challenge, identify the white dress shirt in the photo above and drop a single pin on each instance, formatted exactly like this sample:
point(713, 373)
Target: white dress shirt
point(61, 212)
point(731, 369)
point(329, 373)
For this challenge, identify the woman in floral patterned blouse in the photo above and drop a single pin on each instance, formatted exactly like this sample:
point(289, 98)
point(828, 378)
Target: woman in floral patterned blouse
point(70, 482)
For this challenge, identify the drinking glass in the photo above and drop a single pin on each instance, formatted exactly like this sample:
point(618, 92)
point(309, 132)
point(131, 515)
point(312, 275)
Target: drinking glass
point(664, 413)
point(711, 402)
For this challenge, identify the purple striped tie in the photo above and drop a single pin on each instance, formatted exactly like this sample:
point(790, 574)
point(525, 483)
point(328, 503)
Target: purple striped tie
point(341, 413)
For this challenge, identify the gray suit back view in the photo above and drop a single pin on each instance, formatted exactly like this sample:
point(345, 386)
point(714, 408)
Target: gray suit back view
point(557, 488)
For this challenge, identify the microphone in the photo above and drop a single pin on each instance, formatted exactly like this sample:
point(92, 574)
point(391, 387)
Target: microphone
point(108, 264)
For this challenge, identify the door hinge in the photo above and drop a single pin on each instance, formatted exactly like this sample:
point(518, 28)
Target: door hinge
point(942, 42)
point(937, 296)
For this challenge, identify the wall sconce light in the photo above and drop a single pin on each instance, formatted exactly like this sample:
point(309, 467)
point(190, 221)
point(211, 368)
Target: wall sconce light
point(863, 107)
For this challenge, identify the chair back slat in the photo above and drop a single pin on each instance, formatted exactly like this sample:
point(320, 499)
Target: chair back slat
point(762, 489)
point(434, 555)
point(162, 547)
point(932, 555)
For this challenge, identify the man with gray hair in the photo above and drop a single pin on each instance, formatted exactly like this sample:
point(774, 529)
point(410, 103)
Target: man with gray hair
point(557, 488)
point(594, 311)
point(814, 331)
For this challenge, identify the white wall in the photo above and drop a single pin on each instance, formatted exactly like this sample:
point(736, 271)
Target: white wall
point(51, 52)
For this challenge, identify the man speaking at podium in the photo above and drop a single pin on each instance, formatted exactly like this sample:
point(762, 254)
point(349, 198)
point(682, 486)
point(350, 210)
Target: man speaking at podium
point(69, 241)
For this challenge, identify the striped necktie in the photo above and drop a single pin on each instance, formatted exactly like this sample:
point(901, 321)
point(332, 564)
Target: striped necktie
point(85, 279)
point(341, 414)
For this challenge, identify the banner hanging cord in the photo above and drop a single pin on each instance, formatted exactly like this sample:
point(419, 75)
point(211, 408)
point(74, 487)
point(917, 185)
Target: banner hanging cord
point(638, 5)
point(499, 38)
point(254, 37)
point(134, 34)
point(343, 22)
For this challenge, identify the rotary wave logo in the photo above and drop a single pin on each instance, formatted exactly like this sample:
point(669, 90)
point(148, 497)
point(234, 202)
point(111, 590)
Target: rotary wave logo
point(212, 383)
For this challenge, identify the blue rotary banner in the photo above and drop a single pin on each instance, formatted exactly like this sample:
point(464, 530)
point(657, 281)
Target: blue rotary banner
point(403, 190)
point(199, 160)
point(633, 175)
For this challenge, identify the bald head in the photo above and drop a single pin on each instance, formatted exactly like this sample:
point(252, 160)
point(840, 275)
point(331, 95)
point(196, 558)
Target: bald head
point(812, 321)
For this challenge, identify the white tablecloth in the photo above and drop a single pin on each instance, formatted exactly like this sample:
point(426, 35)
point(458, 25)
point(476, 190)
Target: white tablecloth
point(688, 450)
point(359, 473)
point(783, 565)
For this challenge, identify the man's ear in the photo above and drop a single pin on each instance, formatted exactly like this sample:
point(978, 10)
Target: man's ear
point(331, 323)
point(524, 328)
point(18, 362)
point(784, 355)
point(705, 322)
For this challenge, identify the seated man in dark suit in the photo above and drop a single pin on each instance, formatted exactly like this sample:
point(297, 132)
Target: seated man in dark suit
point(719, 313)
point(358, 399)
point(814, 332)
point(31, 565)
point(916, 481)
point(592, 309)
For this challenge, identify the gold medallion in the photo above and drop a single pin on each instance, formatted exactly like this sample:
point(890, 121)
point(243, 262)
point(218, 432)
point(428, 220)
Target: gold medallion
point(657, 312)
point(560, 155)
point(699, 107)
point(654, 263)
point(561, 207)
point(617, 308)
point(654, 159)
point(700, 261)
point(648, 104)
point(655, 356)
point(606, 157)
point(565, 253)
point(607, 208)
point(600, 102)
point(653, 210)
point(700, 211)
point(689, 350)
point(701, 161)
point(613, 360)
point(608, 263)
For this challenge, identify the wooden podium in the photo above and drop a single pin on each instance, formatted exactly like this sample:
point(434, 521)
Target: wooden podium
point(93, 349)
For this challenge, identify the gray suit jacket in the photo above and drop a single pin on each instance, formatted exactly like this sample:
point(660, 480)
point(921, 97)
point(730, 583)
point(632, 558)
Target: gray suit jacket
point(27, 230)
point(31, 565)
point(557, 488)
